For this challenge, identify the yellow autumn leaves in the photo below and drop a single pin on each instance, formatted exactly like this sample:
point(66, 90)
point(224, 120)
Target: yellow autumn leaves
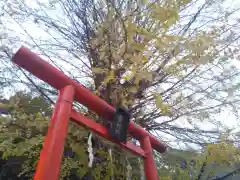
point(222, 152)
point(164, 107)
point(140, 43)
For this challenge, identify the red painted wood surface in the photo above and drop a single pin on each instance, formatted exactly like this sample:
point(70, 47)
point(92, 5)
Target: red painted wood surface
point(49, 164)
point(102, 131)
point(149, 162)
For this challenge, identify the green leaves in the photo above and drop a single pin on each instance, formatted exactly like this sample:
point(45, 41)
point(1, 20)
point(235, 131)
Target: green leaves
point(183, 2)
point(165, 108)
point(131, 30)
point(167, 16)
point(159, 100)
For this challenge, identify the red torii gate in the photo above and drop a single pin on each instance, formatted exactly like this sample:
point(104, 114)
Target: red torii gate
point(51, 156)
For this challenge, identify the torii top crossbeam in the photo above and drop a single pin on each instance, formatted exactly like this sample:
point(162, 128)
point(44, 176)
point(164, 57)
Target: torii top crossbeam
point(57, 79)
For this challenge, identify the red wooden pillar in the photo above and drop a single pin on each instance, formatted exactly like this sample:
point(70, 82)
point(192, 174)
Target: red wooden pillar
point(150, 168)
point(49, 164)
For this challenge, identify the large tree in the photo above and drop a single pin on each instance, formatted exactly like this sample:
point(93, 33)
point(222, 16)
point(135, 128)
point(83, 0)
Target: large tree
point(170, 63)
